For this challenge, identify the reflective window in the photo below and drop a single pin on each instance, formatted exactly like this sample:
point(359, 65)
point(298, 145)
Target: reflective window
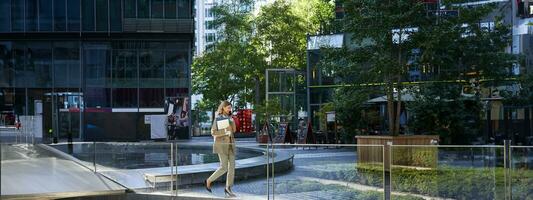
point(151, 72)
point(101, 15)
point(125, 79)
point(73, 13)
point(19, 58)
point(39, 67)
point(87, 15)
point(151, 97)
point(6, 66)
point(210, 37)
point(5, 16)
point(60, 15)
point(17, 16)
point(143, 8)
point(176, 68)
point(130, 8)
point(184, 9)
point(209, 25)
point(97, 66)
point(66, 65)
point(45, 15)
point(31, 15)
point(115, 11)
point(170, 9)
point(157, 8)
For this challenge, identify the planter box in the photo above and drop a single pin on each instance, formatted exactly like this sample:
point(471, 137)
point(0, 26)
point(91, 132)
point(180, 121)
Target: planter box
point(408, 156)
point(263, 139)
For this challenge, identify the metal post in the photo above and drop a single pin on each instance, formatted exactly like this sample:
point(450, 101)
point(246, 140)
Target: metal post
point(176, 170)
point(267, 168)
point(171, 166)
point(94, 155)
point(387, 166)
point(273, 169)
point(507, 168)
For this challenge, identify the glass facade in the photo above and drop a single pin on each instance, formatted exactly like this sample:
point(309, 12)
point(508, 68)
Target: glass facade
point(87, 15)
point(94, 77)
point(81, 82)
point(73, 15)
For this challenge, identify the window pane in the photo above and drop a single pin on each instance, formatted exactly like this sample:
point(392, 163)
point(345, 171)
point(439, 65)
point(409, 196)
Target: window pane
point(176, 69)
point(170, 9)
point(66, 65)
point(151, 67)
point(73, 13)
point(45, 15)
point(125, 80)
point(184, 9)
point(130, 8)
point(115, 11)
point(143, 8)
point(31, 15)
point(5, 12)
point(96, 62)
point(39, 66)
point(88, 15)
point(17, 16)
point(151, 97)
point(101, 15)
point(19, 58)
point(6, 66)
point(157, 8)
point(60, 15)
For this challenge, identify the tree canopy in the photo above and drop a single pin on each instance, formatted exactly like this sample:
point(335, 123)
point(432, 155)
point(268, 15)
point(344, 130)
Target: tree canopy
point(234, 67)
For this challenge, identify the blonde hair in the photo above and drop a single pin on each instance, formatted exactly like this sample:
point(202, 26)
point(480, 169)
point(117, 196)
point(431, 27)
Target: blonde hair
point(220, 109)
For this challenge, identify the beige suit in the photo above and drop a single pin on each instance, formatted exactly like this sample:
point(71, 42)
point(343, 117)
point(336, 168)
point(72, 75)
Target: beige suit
point(224, 146)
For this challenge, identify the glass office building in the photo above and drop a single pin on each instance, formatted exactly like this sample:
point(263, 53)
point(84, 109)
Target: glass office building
point(94, 69)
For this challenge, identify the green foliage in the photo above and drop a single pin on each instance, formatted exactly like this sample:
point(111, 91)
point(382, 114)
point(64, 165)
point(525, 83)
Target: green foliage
point(447, 48)
point(351, 113)
point(415, 157)
point(338, 191)
point(524, 97)
point(317, 15)
point(454, 182)
point(439, 109)
point(280, 37)
point(268, 108)
point(233, 68)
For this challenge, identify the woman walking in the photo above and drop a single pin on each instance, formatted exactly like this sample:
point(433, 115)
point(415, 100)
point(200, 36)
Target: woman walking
point(222, 131)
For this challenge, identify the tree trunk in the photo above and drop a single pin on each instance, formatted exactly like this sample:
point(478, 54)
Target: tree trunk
point(257, 100)
point(398, 110)
point(398, 86)
point(390, 107)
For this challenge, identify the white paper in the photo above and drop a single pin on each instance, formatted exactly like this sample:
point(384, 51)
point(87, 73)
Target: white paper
point(158, 129)
point(222, 124)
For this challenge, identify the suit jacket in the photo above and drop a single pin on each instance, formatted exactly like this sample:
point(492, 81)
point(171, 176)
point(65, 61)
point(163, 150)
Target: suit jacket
point(223, 144)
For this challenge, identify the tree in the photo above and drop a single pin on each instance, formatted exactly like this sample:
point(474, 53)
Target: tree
point(393, 37)
point(234, 67)
point(281, 35)
point(382, 30)
point(227, 71)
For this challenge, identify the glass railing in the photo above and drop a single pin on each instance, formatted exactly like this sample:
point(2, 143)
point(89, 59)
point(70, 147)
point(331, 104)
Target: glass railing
point(307, 171)
point(448, 172)
point(249, 171)
point(327, 172)
point(521, 172)
point(138, 166)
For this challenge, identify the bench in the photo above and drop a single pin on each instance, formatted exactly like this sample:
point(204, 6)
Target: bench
point(154, 178)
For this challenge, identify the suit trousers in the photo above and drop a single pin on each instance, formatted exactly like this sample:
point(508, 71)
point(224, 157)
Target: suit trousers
point(227, 164)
